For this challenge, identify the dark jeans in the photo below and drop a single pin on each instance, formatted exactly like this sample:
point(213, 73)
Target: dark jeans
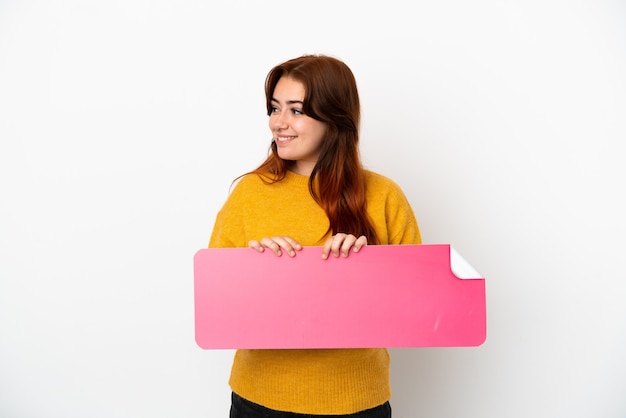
point(242, 408)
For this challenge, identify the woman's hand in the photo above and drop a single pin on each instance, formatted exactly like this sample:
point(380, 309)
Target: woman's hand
point(343, 243)
point(277, 244)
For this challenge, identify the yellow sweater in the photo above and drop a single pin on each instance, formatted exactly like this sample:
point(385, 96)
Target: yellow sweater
point(320, 381)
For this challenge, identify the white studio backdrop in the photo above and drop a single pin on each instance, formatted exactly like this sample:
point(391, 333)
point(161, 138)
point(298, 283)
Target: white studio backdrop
point(122, 124)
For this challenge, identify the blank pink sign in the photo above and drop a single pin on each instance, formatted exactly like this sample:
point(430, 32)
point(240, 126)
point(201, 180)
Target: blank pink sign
point(384, 296)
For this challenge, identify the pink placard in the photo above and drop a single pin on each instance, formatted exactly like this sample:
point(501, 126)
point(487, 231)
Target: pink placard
point(384, 296)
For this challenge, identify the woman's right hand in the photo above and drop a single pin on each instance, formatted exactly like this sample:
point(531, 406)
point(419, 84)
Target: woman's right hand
point(278, 245)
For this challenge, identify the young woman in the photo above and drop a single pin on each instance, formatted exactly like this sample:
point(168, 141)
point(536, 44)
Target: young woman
point(312, 190)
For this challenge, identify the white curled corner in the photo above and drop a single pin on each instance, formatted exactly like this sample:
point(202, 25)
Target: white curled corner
point(461, 268)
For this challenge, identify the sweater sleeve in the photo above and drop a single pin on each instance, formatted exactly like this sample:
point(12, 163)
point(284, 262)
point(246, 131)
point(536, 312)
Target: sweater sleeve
point(228, 229)
point(401, 223)
point(391, 211)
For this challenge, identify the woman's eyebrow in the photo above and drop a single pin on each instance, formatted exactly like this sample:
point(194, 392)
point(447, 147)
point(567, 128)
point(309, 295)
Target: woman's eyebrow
point(289, 102)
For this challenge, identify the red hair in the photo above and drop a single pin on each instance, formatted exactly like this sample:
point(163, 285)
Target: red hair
point(337, 182)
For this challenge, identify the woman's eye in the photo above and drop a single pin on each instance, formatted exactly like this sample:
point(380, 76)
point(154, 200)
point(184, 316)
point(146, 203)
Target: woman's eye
point(297, 112)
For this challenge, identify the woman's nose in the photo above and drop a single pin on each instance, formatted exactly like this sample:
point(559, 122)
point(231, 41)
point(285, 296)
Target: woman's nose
point(279, 121)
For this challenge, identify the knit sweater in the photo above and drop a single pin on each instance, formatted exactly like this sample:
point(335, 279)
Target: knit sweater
point(309, 381)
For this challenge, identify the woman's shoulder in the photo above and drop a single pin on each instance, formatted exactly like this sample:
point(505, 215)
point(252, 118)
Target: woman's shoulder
point(243, 187)
point(380, 182)
point(245, 180)
point(250, 180)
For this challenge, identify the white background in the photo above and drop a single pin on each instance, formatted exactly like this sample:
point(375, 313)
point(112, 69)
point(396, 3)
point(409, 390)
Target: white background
point(122, 124)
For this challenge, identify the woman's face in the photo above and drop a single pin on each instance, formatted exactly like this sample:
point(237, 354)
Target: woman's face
point(298, 137)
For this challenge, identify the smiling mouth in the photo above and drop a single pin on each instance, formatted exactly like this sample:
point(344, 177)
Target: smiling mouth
point(284, 138)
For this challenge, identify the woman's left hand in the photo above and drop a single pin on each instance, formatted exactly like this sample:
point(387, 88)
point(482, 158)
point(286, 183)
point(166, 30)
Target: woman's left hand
point(343, 243)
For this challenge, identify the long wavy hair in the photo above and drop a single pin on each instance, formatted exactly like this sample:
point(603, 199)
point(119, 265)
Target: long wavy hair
point(337, 182)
